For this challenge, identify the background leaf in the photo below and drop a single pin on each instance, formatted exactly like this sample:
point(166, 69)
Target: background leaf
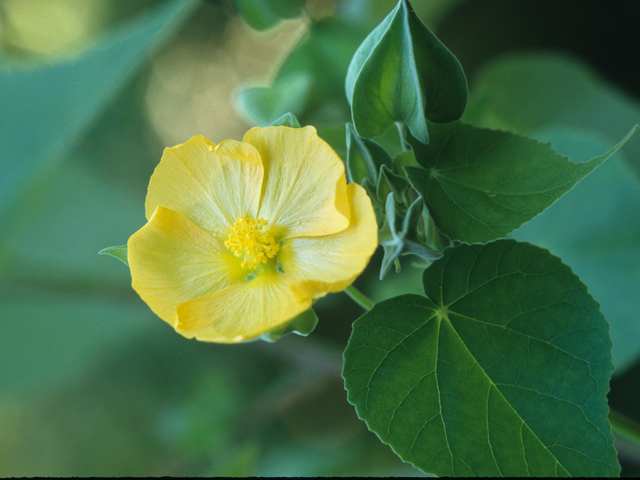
point(481, 184)
point(59, 291)
point(63, 206)
point(310, 82)
point(263, 14)
point(80, 213)
point(264, 105)
point(502, 371)
point(595, 228)
point(51, 106)
point(87, 326)
point(526, 92)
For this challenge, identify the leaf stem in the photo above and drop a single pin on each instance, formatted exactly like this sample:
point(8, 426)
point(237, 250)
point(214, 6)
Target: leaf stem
point(359, 297)
point(625, 427)
point(402, 134)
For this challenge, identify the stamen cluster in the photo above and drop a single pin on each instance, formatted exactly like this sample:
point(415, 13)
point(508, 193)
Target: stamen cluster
point(249, 239)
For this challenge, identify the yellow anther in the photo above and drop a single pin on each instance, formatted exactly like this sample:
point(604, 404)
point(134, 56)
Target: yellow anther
point(249, 239)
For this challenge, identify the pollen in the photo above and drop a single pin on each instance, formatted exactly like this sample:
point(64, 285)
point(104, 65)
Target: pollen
point(250, 240)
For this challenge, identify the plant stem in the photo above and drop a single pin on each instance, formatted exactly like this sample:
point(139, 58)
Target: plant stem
point(625, 427)
point(359, 297)
point(401, 133)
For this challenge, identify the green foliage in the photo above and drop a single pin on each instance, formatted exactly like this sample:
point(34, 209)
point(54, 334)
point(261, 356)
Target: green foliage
point(303, 325)
point(364, 158)
point(56, 212)
point(311, 80)
point(263, 14)
point(334, 135)
point(389, 182)
point(55, 341)
point(480, 184)
point(402, 72)
point(49, 111)
point(595, 227)
point(287, 120)
point(512, 319)
point(527, 92)
point(400, 235)
point(603, 245)
point(265, 105)
point(57, 248)
point(502, 370)
point(119, 252)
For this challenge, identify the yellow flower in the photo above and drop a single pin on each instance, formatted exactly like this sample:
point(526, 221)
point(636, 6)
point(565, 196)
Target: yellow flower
point(243, 236)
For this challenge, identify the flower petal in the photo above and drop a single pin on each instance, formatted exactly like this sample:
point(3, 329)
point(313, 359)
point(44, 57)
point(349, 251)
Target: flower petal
point(172, 260)
point(304, 192)
point(318, 265)
point(241, 311)
point(210, 185)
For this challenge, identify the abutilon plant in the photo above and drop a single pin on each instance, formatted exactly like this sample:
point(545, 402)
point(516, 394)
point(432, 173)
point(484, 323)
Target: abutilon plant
point(501, 368)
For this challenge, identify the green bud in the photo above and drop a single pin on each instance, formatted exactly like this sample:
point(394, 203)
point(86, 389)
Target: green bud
point(402, 72)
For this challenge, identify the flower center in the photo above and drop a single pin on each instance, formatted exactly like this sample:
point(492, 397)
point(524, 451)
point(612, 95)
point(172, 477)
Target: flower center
point(249, 239)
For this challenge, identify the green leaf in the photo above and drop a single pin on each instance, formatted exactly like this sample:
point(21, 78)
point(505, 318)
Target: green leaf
point(558, 98)
point(264, 105)
point(303, 325)
point(59, 245)
point(403, 159)
point(399, 235)
point(287, 120)
point(402, 72)
point(596, 230)
point(526, 92)
point(389, 182)
point(311, 79)
point(263, 14)
point(371, 190)
point(51, 106)
point(364, 158)
point(119, 252)
point(502, 371)
point(480, 184)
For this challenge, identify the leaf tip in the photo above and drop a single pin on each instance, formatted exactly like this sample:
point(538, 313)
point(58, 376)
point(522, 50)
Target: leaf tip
point(119, 252)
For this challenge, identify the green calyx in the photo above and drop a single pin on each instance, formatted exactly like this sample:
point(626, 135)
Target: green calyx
point(401, 235)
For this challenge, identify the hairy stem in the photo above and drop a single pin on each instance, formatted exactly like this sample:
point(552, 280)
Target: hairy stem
point(359, 297)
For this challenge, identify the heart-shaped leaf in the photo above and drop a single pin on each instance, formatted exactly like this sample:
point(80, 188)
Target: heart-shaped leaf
point(502, 371)
point(50, 107)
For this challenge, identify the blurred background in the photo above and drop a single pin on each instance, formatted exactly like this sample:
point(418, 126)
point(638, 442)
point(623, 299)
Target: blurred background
point(91, 91)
